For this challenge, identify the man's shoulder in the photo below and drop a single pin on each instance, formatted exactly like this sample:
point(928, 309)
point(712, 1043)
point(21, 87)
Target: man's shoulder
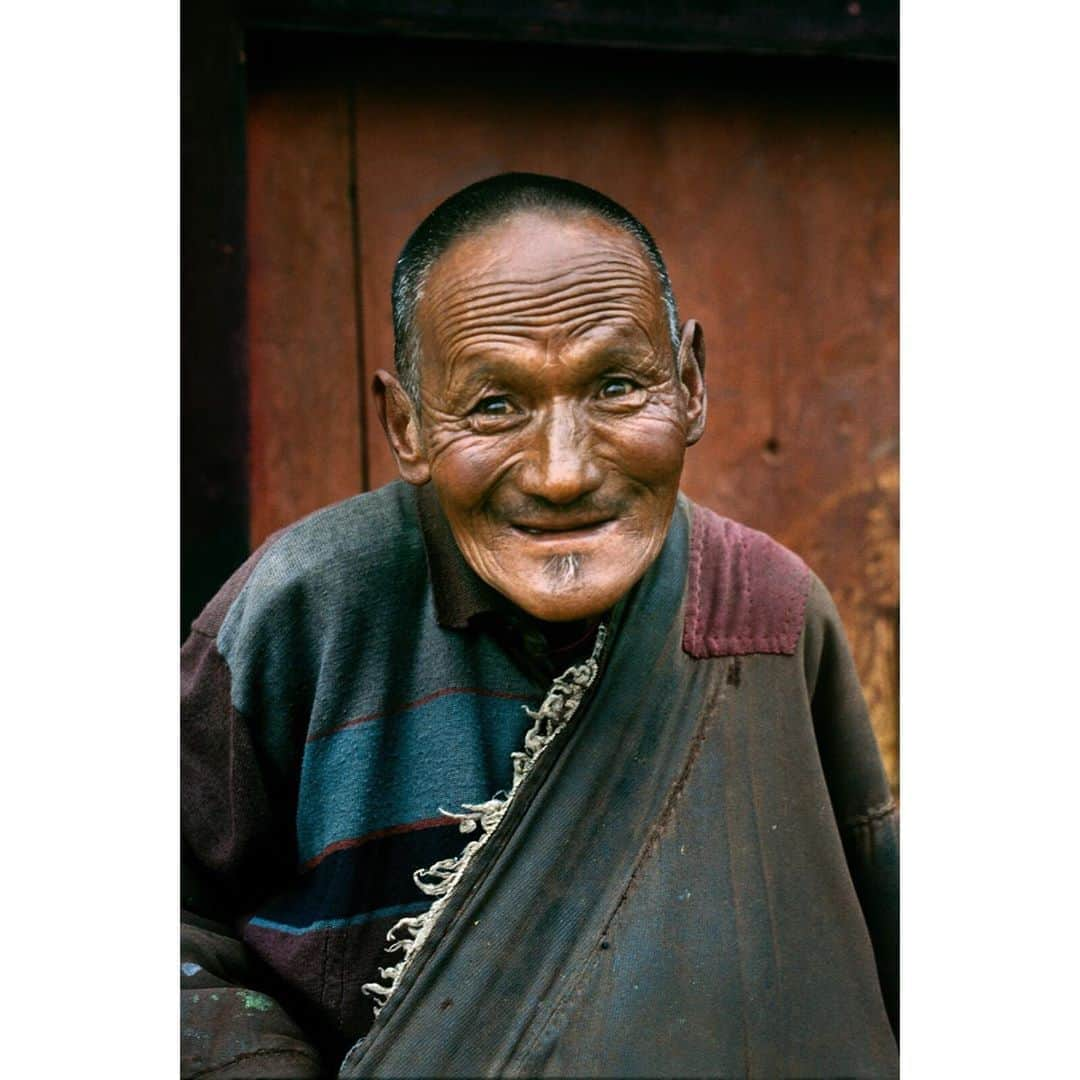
point(335, 553)
point(745, 592)
point(368, 531)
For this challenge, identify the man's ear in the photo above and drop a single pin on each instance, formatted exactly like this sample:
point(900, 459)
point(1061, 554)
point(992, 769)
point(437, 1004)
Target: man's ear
point(402, 426)
point(692, 377)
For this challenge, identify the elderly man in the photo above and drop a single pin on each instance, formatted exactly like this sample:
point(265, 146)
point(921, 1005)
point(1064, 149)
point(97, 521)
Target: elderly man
point(527, 764)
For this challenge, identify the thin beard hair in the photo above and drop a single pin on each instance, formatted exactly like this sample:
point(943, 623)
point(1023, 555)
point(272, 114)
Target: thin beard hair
point(563, 570)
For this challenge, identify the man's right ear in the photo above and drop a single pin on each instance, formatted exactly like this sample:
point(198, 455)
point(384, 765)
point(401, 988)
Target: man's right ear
point(402, 426)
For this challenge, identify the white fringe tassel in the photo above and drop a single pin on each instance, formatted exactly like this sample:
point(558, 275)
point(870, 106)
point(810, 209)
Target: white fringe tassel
point(407, 935)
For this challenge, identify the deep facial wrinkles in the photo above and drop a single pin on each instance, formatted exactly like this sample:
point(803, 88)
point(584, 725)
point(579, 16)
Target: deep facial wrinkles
point(537, 315)
point(535, 309)
point(513, 335)
point(571, 321)
point(540, 302)
point(492, 295)
point(600, 257)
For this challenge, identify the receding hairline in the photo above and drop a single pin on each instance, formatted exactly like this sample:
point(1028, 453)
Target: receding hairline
point(557, 217)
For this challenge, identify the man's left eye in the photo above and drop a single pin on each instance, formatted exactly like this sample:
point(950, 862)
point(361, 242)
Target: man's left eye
point(612, 388)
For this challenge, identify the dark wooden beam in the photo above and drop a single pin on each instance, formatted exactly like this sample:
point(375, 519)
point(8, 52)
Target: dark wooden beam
point(213, 364)
point(856, 28)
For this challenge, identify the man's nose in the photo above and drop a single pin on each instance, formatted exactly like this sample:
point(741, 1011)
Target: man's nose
point(559, 465)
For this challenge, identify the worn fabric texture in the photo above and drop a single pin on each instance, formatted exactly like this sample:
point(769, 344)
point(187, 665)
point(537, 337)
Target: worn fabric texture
point(700, 878)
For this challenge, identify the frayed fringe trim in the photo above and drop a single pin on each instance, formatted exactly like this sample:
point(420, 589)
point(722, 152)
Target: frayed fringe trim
point(407, 935)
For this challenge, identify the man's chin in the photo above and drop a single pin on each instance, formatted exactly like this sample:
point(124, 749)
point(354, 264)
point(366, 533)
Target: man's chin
point(557, 580)
point(563, 590)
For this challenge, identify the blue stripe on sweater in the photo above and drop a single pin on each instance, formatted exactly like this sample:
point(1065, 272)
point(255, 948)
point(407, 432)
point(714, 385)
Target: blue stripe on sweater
point(396, 912)
point(371, 876)
point(406, 767)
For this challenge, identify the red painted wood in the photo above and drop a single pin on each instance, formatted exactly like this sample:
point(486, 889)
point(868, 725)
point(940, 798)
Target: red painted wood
point(306, 448)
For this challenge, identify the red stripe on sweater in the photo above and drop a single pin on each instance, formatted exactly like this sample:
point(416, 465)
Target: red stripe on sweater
point(416, 704)
point(378, 834)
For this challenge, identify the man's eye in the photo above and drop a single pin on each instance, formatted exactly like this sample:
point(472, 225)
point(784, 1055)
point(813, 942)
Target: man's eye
point(493, 406)
point(613, 388)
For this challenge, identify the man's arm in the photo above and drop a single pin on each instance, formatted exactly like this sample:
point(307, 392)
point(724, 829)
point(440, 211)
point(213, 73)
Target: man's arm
point(234, 825)
point(229, 1029)
point(862, 800)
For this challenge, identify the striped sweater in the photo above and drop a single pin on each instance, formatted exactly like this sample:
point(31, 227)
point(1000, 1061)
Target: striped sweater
point(329, 722)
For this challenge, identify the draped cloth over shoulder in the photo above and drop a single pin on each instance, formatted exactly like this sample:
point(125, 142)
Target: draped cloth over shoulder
point(676, 891)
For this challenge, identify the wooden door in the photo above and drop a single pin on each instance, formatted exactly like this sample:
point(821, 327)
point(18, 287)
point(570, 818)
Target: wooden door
point(770, 185)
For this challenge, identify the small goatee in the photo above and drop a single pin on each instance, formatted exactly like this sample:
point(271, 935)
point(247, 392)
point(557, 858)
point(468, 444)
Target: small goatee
point(563, 571)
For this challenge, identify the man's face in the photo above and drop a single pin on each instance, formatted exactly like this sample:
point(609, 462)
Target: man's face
point(553, 419)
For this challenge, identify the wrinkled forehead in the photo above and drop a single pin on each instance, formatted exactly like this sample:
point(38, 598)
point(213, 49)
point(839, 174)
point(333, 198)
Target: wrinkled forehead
point(543, 272)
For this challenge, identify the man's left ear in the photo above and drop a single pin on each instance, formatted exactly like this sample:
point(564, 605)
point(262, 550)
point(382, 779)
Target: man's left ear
point(692, 377)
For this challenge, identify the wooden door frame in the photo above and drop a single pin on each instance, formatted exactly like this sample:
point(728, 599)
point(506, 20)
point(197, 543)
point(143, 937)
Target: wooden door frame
point(213, 343)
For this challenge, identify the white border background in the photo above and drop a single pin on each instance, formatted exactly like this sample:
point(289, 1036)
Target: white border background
point(989, 189)
point(89, 446)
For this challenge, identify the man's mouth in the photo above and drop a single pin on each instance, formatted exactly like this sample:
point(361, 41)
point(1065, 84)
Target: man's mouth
point(563, 529)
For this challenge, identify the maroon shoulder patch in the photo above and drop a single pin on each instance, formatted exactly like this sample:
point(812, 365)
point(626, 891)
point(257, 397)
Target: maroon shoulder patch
point(745, 593)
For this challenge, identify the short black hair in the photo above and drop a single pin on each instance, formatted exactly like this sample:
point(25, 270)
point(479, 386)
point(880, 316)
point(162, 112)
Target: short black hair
point(484, 203)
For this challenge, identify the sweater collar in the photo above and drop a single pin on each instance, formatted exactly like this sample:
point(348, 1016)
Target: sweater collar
point(460, 593)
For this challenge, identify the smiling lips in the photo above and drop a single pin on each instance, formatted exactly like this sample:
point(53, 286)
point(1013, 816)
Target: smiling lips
point(564, 530)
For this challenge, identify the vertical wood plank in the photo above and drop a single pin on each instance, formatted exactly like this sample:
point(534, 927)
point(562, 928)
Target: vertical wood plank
point(306, 438)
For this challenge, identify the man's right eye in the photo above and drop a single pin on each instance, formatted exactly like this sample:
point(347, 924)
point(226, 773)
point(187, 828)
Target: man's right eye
point(493, 406)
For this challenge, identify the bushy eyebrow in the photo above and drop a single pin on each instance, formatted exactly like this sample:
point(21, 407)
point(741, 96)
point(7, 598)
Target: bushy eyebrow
point(486, 364)
point(614, 339)
point(502, 360)
point(481, 364)
point(636, 356)
point(483, 371)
